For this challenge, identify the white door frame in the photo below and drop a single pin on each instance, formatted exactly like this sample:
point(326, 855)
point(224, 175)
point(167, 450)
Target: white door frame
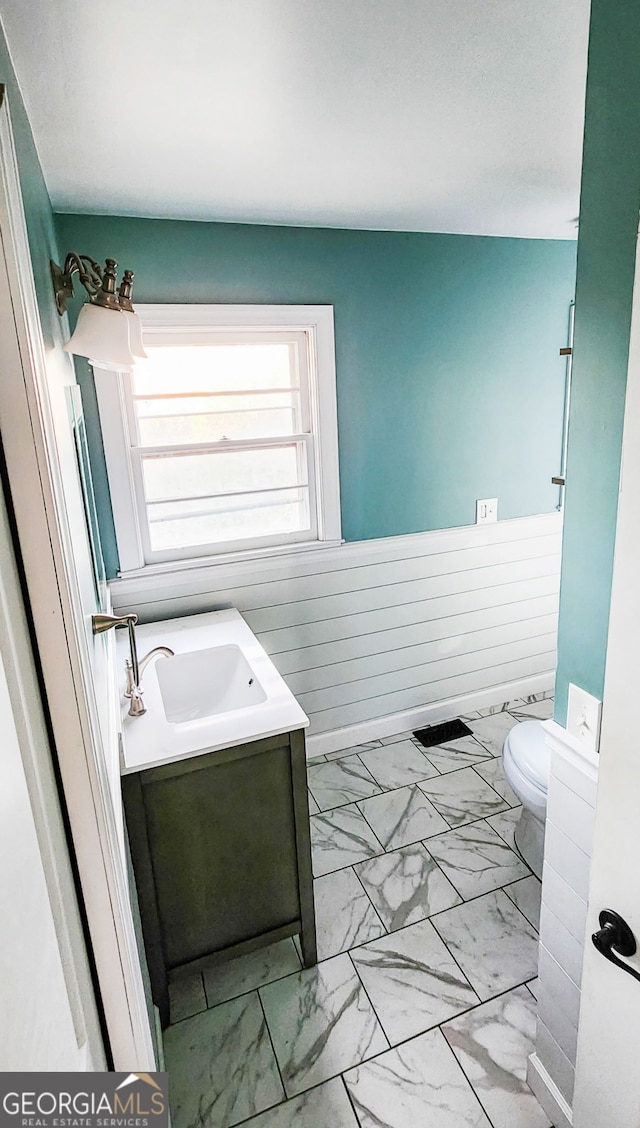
point(607, 1088)
point(21, 1041)
point(61, 634)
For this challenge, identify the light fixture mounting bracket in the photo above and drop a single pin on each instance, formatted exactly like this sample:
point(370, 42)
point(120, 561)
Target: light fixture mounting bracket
point(98, 281)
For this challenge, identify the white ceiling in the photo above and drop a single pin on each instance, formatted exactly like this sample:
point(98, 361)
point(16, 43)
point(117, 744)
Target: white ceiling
point(420, 115)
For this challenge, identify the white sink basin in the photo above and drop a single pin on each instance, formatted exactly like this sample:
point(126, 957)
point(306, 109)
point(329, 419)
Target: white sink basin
point(219, 690)
point(203, 683)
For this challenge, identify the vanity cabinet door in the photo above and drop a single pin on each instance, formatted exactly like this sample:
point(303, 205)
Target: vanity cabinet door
point(222, 844)
point(221, 855)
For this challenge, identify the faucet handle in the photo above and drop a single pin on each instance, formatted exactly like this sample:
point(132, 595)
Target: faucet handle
point(131, 685)
point(137, 706)
point(101, 623)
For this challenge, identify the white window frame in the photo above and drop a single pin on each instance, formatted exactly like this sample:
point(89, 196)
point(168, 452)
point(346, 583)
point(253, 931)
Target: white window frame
point(185, 321)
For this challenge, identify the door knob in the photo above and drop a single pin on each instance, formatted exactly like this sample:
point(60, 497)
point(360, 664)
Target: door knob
point(614, 935)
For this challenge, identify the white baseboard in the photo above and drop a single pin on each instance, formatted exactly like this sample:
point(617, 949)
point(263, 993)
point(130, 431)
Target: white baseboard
point(352, 735)
point(548, 1094)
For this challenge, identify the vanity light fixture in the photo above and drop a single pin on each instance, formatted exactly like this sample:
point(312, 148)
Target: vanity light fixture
point(108, 331)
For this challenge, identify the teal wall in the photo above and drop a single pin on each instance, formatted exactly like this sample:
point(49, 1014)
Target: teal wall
point(449, 383)
point(39, 217)
point(605, 269)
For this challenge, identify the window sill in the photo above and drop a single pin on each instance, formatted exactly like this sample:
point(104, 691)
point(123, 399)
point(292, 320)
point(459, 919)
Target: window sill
point(156, 577)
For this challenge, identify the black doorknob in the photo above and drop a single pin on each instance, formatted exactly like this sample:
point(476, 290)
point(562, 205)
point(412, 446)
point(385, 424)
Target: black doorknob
point(614, 935)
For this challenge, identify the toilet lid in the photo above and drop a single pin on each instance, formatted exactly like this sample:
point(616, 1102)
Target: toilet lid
point(530, 752)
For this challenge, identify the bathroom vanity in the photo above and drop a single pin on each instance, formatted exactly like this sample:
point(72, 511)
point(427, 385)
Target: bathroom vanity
point(216, 803)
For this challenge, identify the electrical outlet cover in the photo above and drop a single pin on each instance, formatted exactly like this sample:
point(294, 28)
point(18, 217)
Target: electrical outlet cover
point(583, 717)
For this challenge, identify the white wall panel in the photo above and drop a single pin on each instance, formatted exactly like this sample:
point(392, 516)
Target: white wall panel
point(395, 626)
point(565, 883)
point(393, 638)
point(424, 693)
point(388, 616)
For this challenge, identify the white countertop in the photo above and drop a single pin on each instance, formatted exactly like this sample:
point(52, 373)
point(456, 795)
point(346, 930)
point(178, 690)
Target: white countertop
point(151, 740)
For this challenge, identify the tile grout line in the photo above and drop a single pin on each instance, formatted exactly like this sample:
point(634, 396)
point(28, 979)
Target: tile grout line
point(456, 961)
point(465, 1075)
point(525, 983)
point(364, 767)
point(391, 791)
point(248, 991)
point(389, 933)
point(444, 943)
point(506, 889)
point(491, 999)
point(387, 790)
point(472, 822)
point(440, 912)
point(349, 1097)
point(368, 997)
point(369, 1057)
point(457, 826)
point(193, 1013)
point(469, 1010)
point(474, 769)
point(478, 896)
point(467, 900)
point(410, 740)
point(391, 1046)
point(405, 1041)
point(204, 988)
point(273, 1048)
point(423, 843)
point(358, 879)
point(417, 783)
point(280, 1104)
point(383, 790)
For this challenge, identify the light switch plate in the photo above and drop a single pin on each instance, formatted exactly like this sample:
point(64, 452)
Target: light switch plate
point(584, 713)
point(486, 510)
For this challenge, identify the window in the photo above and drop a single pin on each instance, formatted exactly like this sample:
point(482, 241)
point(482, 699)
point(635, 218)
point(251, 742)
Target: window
point(225, 439)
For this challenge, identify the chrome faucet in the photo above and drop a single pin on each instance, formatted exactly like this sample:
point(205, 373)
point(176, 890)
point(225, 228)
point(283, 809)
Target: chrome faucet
point(133, 689)
point(133, 667)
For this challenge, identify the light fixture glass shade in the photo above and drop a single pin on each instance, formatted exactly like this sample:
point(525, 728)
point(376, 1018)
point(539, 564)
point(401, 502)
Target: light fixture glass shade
point(135, 334)
point(102, 335)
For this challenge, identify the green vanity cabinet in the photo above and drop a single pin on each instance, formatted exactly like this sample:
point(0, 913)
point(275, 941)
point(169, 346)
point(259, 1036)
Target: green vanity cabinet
point(221, 856)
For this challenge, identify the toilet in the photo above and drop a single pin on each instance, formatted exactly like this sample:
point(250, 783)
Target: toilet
point(526, 759)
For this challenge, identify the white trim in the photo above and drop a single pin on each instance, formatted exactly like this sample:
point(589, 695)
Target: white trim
point(24, 692)
point(548, 1094)
point(607, 1087)
point(61, 633)
point(573, 750)
point(124, 502)
point(190, 576)
point(391, 725)
point(316, 322)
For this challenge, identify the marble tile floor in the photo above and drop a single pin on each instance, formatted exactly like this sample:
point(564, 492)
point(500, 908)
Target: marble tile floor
point(421, 1010)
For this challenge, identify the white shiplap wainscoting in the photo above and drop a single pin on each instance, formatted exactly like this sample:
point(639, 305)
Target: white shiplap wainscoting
point(376, 637)
point(571, 802)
